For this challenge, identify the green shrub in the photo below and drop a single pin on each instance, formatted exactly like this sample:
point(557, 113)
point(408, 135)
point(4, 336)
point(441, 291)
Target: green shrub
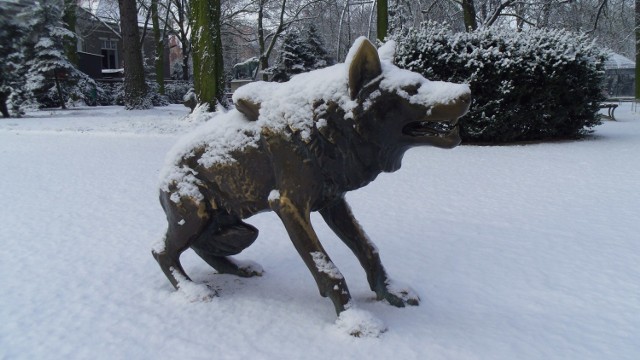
point(175, 90)
point(531, 85)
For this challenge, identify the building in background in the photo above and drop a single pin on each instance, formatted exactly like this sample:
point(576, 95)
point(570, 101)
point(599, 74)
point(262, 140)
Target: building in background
point(100, 42)
point(619, 76)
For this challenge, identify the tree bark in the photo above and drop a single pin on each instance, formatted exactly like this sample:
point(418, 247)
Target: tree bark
point(383, 19)
point(135, 88)
point(3, 104)
point(206, 42)
point(469, 13)
point(59, 89)
point(546, 13)
point(180, 16)
point(637, 92)
point(159, 42)
point(264, 60)
point(265, 50)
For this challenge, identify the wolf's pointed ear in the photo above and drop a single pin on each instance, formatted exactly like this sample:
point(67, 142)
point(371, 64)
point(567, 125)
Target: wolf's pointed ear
point(364, 67)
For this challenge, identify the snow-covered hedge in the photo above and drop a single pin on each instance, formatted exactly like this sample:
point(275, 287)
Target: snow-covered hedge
point(533, 85)
point(81, 89)
point(174, 93)
point(176, 90)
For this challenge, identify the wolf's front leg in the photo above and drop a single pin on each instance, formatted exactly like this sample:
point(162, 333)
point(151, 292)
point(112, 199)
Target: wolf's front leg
point(297, 221)
point(340, 219)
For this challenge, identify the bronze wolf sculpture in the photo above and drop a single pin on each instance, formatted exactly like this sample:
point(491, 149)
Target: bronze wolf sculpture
point(298, 147)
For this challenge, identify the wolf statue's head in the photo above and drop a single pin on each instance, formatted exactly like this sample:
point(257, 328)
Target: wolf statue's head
point(384, 106)
point(400, 108)
point(421, 111)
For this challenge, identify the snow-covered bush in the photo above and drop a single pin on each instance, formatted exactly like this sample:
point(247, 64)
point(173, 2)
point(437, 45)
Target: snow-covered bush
point(115, 94)
point(76, 89)
point(532, 85)
point(176, 90)
point(156, 98)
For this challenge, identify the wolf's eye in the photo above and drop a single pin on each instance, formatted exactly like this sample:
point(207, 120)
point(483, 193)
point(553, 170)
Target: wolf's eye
point(411, 89)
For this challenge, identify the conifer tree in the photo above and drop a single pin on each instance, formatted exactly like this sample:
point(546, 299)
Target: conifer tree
point(11, 33)
point(47, 65)
point(50, 78)
point(292, 57)
point(69, 19)
point(300, 54)
point(318, 55)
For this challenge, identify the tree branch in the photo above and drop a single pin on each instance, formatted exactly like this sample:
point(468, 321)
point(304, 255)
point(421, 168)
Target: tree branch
point(601, 8)
point(520, 17)
point(498, 11)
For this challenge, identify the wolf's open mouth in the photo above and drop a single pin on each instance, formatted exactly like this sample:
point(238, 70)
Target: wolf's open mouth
point(430, 128)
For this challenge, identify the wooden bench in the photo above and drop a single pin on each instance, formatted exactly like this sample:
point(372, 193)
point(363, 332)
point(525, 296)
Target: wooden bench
point(611, 108)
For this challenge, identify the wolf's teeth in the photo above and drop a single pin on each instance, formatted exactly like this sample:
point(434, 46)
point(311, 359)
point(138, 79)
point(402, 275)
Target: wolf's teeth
point(431, 128)
point(441, 127)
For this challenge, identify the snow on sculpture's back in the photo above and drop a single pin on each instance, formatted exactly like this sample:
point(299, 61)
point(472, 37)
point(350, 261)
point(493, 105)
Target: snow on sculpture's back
point(298, 147)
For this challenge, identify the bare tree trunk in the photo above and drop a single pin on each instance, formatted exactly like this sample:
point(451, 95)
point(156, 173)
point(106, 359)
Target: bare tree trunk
point(135, 88)
point(546, 13)
point(3, 104)
point(637, 92)
point(159, 42)
point(208, 69)
point(520, 15)
point(373, 7)
point(264, 60)
point(58, 89)
point(265, 50)
point(469, 13)
point(383, 19)
point(342, 15)
point(180, 17)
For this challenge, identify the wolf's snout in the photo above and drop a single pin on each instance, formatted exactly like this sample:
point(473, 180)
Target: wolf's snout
point(451, 110)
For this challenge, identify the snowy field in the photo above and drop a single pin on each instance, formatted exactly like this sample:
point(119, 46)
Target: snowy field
point(517, 252)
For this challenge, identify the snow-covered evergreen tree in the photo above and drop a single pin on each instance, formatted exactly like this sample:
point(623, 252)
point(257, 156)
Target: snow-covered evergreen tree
point(292, 57)
point(318, 57)
point(50, 78)
point(302, 51)
point(12, 31)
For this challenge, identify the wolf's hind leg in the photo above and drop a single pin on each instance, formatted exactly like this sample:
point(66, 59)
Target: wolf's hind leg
point(187, 221)
point(227, 235)
point(228, 265)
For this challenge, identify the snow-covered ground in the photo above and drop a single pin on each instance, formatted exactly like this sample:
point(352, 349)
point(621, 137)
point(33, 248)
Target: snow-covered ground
point(517, 252)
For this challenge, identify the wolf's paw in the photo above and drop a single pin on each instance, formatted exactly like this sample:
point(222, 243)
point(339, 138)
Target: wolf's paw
point(398, 294)
point(193, 292)
point(247, 268)
point(359, 323)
